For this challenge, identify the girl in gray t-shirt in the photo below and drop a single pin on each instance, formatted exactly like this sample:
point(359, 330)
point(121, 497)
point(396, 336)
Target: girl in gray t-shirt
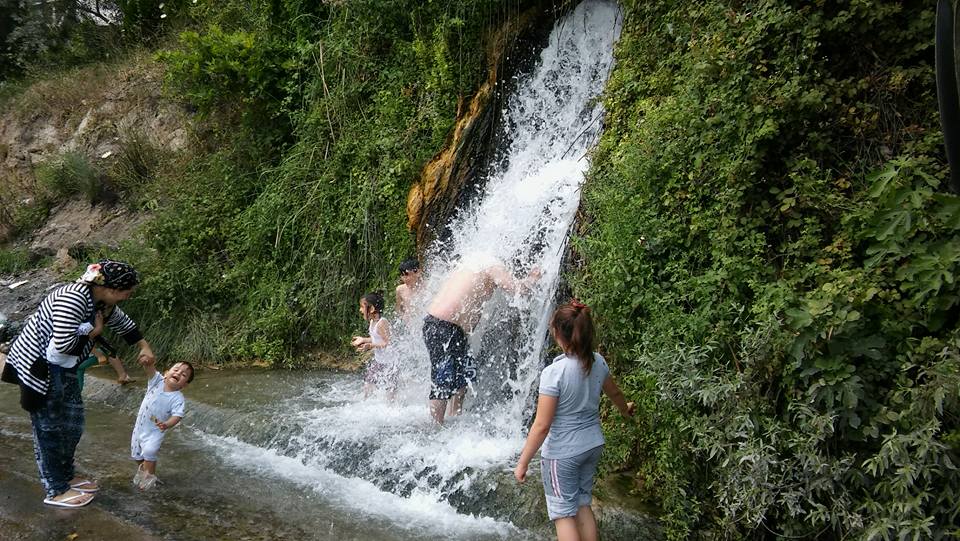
point(567, 424)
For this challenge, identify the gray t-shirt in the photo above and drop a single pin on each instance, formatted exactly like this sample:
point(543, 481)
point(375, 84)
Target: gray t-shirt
point(576, 425)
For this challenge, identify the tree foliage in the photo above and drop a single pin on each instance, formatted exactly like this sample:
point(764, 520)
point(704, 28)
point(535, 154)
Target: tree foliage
point(775, 253)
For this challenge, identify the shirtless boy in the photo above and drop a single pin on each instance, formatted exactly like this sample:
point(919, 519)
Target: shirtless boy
point(453, 312)
point(410, 278)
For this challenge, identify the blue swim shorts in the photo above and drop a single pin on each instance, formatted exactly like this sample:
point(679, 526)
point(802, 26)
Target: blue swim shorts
point(450, 364)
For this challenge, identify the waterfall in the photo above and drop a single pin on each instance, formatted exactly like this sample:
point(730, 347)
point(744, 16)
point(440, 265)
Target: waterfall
point(520, 217)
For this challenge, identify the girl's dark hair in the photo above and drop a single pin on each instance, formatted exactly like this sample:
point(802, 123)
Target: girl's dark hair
point(572, 324)
point(375, 300)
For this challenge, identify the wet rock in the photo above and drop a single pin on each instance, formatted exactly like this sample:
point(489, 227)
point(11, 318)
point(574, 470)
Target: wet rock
point(501, 497)
point(16, 305)
point(446, 180)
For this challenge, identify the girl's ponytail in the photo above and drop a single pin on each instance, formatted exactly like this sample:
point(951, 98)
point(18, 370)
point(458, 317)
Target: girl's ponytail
point(573, 325)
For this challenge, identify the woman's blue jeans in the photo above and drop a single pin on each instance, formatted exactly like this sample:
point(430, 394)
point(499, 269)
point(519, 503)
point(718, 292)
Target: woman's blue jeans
point(57, 427)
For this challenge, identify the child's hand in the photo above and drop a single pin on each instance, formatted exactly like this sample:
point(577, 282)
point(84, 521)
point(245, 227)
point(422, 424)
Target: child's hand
point(162, 425)
point(631, 407)
point(357, 341)
point(520, 472)
point(97, 325)
point(146, 360)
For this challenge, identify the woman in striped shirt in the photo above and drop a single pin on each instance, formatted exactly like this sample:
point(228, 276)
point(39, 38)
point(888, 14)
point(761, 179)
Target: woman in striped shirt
point(43, 361)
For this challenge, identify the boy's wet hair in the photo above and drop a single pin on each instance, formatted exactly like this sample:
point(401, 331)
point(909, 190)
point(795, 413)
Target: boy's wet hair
point(375, 299)
point(410, 265)
point(190, 366)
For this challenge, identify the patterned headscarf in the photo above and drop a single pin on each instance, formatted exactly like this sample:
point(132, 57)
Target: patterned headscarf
point(113, 274)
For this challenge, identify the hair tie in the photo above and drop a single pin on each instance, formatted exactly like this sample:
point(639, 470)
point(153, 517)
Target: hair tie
point(578, 305)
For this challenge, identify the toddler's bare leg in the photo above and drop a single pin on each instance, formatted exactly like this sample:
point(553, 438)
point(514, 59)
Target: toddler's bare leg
point(567, 529)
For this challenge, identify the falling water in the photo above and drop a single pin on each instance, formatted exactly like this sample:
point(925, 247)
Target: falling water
point(380, 457)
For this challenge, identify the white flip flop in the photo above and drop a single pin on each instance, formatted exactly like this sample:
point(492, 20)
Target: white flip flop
point(70, 502)
point(84, 486)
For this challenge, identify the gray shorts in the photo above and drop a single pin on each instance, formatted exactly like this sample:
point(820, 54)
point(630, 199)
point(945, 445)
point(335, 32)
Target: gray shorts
point(568, 482)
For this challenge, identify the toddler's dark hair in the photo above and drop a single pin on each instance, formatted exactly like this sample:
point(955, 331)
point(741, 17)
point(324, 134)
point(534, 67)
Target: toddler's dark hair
point(572, 324)
point(375, 299)
point(190, 366)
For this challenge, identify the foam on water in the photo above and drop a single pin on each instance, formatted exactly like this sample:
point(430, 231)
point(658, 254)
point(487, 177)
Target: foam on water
point(417, 512)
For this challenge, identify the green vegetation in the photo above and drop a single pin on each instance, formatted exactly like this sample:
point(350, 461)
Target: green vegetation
point(773, 251)
point(317, 118)
point(15, 261)
point(770, 245)
point(69, 174)
point(37, 36)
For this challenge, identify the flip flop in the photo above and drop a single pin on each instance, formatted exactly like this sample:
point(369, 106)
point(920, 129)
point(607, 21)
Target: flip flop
point(126, 380)
point(76, 500)
point(86, 486)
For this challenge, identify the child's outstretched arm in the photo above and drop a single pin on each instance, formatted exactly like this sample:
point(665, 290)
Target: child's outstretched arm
point(149, 365)
point(359, 341)
point(611, 389)
point(169, 423)
point(546, 410)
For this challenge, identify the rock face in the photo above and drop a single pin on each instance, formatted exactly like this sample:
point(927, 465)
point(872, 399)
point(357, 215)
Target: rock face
point(76, 225)
point(449, 177)
point(92, 111)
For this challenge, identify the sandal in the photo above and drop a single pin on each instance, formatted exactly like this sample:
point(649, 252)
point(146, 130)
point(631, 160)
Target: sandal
point(71, 499)
point(85, 486)
point(148, 481)
point(125, 380)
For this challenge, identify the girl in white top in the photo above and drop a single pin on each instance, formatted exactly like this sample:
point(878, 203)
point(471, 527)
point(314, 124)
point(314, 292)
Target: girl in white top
point(382, 370)
point(567, 424)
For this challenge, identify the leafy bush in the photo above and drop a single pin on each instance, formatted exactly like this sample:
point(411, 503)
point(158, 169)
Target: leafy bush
point(38, 35)
point(144, 19)
point(769, 237)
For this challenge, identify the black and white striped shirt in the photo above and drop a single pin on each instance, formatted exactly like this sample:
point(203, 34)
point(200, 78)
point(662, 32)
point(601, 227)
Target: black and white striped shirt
point(57, 319)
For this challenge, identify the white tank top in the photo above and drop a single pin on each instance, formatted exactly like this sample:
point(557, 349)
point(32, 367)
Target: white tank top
point(378, 353)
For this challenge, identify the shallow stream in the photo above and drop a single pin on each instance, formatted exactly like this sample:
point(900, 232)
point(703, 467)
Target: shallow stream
point(224, 476)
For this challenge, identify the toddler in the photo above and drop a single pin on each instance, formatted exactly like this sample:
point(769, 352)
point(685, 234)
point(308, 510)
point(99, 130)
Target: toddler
point(161, 409)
